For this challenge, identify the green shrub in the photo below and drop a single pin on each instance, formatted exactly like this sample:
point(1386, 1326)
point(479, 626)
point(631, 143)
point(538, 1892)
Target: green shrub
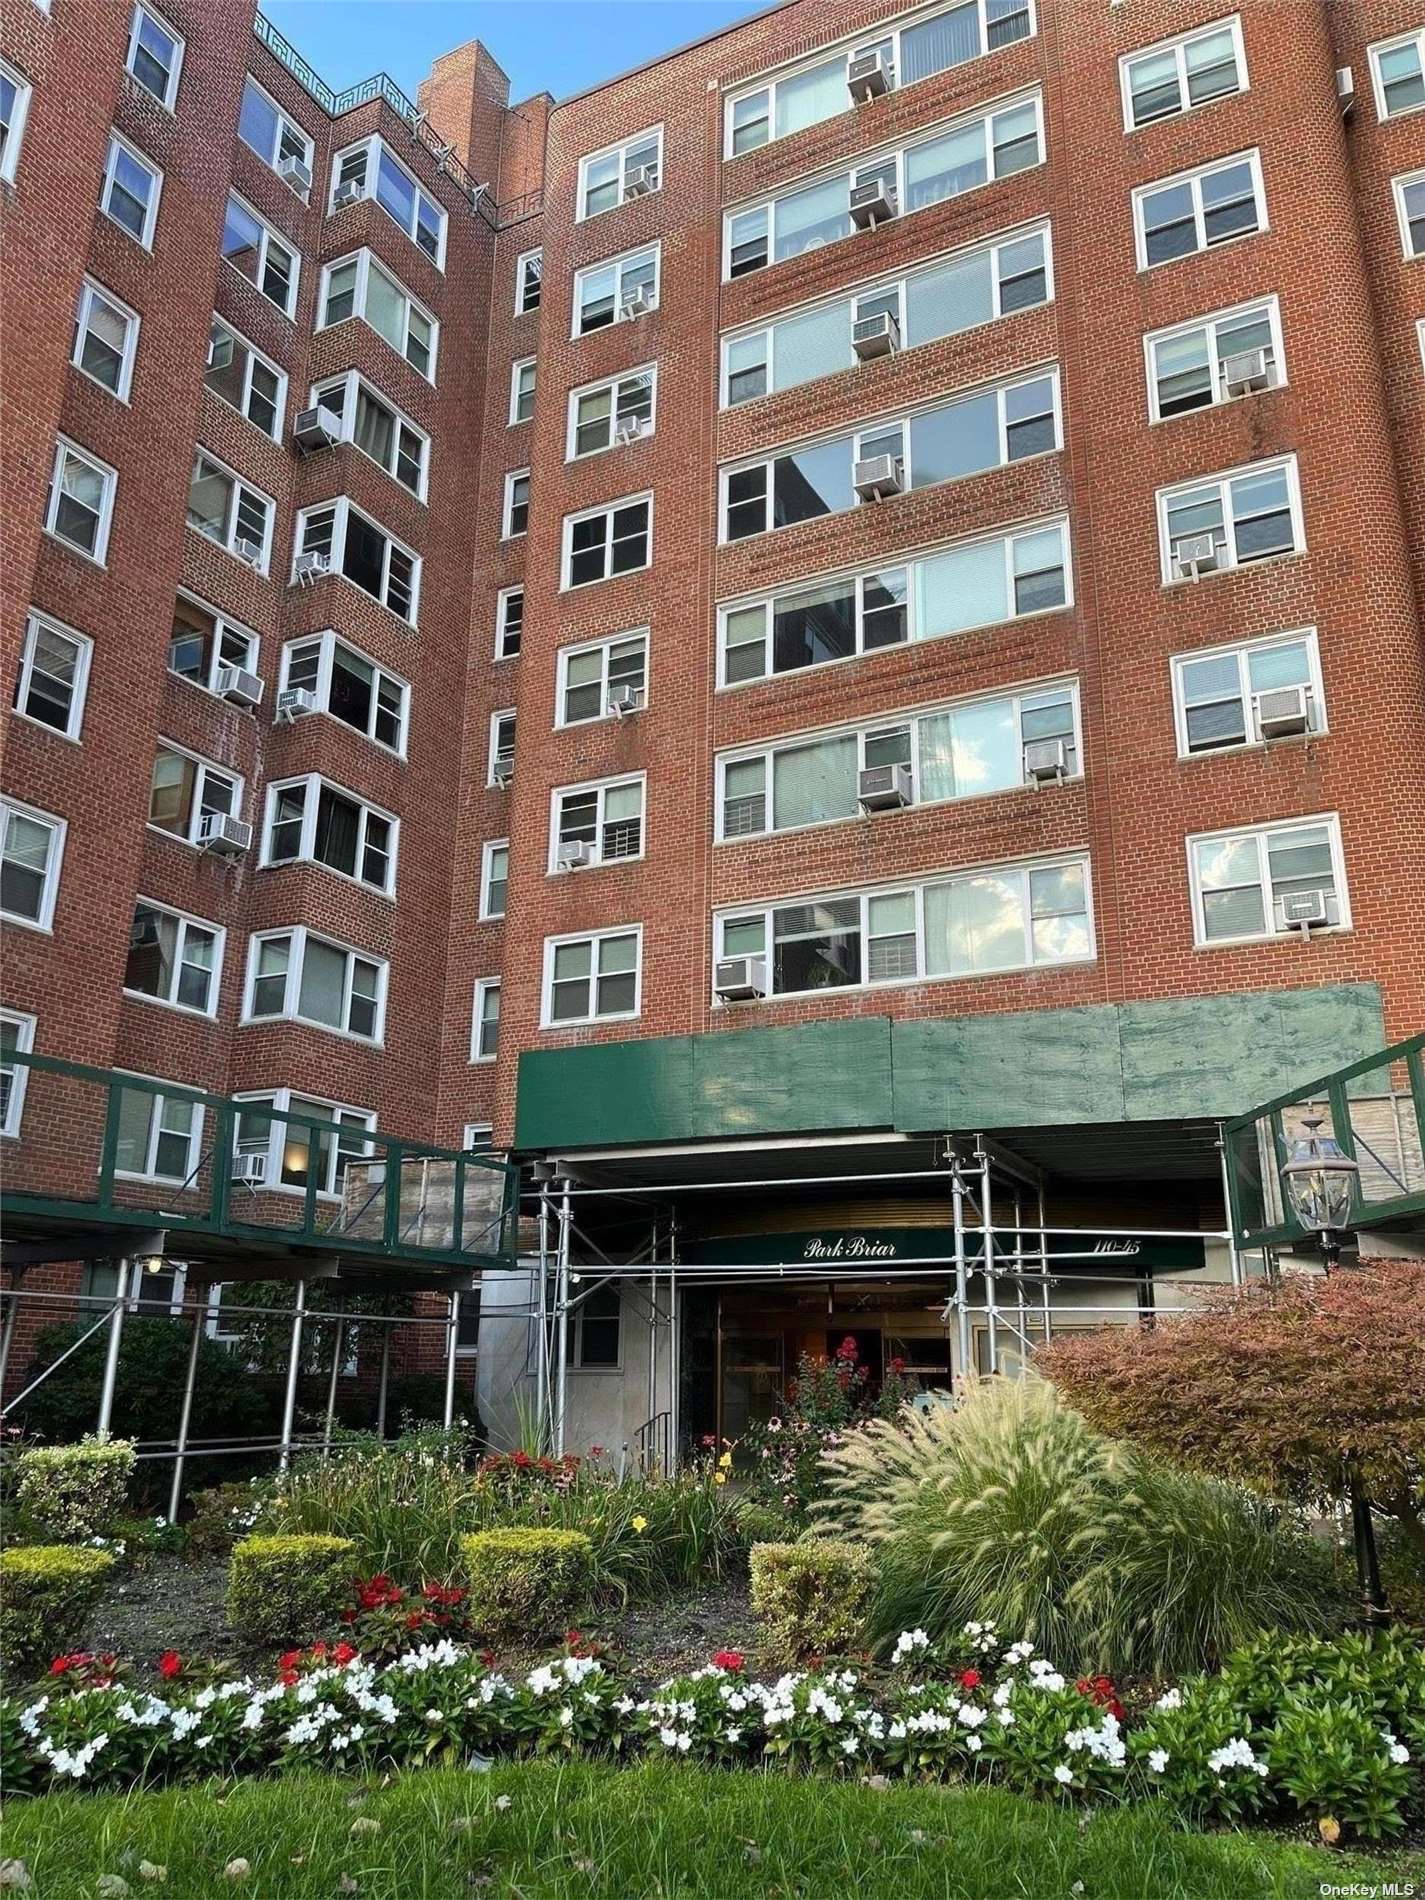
point(526, 1581)
point(72, 1492)
point(763, 1523)
point(222, 1515)
point(46, 1594)
point(812, 1598)
point(289, 1589)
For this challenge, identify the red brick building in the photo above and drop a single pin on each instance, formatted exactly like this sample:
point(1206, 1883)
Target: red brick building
point(859, 584)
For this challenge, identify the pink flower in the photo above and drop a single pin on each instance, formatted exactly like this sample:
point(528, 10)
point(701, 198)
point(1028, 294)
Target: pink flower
point(730, 1659)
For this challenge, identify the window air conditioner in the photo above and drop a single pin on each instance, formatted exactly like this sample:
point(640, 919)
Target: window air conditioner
point(236, 683)
point(574, 854)
point(641, 180)
point(878, 477)
point(1345, 89)
point(314, 429)
point(298, 175)
point(884, 787)
point(872, 203)
point(228, 836)
point(144, 934)
point(879, 335)
point(350, 193)
point(635, 306)
point(294, 702)
point(1303, 910)
point(503, 770)
point(220, 351)
point(624, 700)
point(1282, 712)
point(870, 75)
point(633, 430)
point(740, 979)
point(312, 566)
point(249, 551)
point(1045, 761)
point(1195, 554)
point(1244, 372)
point(249, 1170)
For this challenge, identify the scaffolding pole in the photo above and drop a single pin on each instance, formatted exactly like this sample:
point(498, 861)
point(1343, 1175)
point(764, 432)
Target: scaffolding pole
point(962, 1278)
point(7, 1331)
point(1234, 1257)
point(185, 1414)
point(294, 1361)
point(337, 1343)
point(987, 1223)
point(383, 1380)
point(675, 1356)
point(111, 1355)
point(561, 1313)
point(451, 1341)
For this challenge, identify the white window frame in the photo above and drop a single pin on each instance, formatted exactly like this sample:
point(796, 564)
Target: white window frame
point(618, 265)
point(65, 447)
point(1420, 332)
point(185, 920)
point(487, 853)
point(158, 1103)
point(1177, 45)
point(254, 356)
point(15, 134)
point(36, 620)
point(281, 1100)
point(485, 986)
point(313, 784)
point(223, 624)
point(58, 829)
point(601, 787)
point(170, 91)
point(522, 278)
point(330, 641)
point(118, 143)
point(497, 718)
point(24, 1025)
point(240, 486)
point(285, 123)
point(344, 508)
point(594, 938)
point(1399, 187)
point(189, 835)
point(572, 453)
point(270, 236)
point(1193, 178)
point(619, 150)
point(90, 292)
point(1261, 833)
point(604, 648)
point(508, 531)
point(376, 148)
point(1373, 53)
point(1240, 650)
point(517, 370)
point(1269, 306)
point(351, 384)
point(300, 937)
point(1223, 479)
point(365, 261)
point(502, 609)
point(608, 508)
point(471, 1142)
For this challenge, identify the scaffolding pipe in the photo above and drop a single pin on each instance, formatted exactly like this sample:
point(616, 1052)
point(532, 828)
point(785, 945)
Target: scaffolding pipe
point(294, 1361)
point(962, 1279)
point(185, 1413)
point(675, 1344)
point(7, 1333)
point(338, 1342)
point(1044, 1266)
point(383, 1380)
point(561, 1310)
point(111, 1355)
point(542, 1396)
point(448, 1412)
point(991, 1289)
point(55, 1364)
point(1234, 1258)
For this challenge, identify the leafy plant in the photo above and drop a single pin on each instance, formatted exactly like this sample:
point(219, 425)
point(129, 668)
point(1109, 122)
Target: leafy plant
point(46, 1594)
point(529, 1581)
point(288, 1589)
point(70, 1493)
point(811, 1598)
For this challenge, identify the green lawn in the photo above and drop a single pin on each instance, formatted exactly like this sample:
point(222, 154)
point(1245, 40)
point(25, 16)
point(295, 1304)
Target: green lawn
point(645, 1833)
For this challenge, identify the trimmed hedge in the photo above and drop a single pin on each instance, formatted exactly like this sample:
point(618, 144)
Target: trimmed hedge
point(811, 1598)
point(528, 1581)
point(46, 1594)
point(289, 1589)
point(74, 1492)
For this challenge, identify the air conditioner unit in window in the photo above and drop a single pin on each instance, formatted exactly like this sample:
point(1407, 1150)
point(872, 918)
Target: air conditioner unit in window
point(298, 175)
point(1303, 910)
point(1195, 554)
point(624, 700)
point(294, 702)
point(635, 306)
point(312, 566)
point(640, 181)
point(879, 335)
point(249, 551)
point(1345, 90)
point(1283, 712)
point(502, 772)
point(872, 203)
point(883, 787)
point(315, 429)
point(221, 833)
point(1244, 372)
point(350, 193)
point(870, 75)
point(237, 684)
point(144, 934)
point(740, 979)
point(220, 351)
point(878, 477)
point(1045, 761)
point(249, 1170)
point(633, 430)
point(573, 855)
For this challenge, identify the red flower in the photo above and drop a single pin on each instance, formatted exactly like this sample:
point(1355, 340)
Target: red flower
point(970, 1678)
point(416, 1619)
point(487, 1657)
point(521, 1459)
point(596, 1451)
point(170, 1664)
point(731, 1659)
point(290, 1659)
point(62, 1665)
point(319, 1651)
point(343, 1653)
point(847, 1350)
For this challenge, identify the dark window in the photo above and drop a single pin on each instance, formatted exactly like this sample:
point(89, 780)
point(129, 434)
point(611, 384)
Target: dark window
point(599, 1327)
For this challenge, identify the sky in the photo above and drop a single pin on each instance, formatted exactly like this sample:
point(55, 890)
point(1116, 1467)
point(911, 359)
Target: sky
point(558, 46)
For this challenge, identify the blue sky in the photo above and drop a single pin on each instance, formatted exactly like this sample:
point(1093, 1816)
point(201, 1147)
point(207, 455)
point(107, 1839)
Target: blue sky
point(560, 46)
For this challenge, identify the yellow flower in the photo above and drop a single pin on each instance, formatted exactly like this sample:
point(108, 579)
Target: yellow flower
point(719, 1477)
point(639, 1523)
point(726, 1461)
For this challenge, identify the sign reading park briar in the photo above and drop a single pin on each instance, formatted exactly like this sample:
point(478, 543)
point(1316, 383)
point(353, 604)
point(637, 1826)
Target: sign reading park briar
point(934, 1248)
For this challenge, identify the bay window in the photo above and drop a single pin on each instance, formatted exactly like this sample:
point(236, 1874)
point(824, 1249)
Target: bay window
point(369, 557)
point(301, 977)
point(350, 687)
point(174, 958)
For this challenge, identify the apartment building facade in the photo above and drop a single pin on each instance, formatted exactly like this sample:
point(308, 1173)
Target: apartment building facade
point(858, 592)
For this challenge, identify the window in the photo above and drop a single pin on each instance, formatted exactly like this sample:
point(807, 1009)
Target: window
point(485, 1020)
point(187, 789)
point(960, 158)
point(14, 107)
point(529, 276)
point(305, 978)
point(624, 287)
point(966, 750)
point(364, 552)
point(1179, 75)
point(1410, 209)
point(977, 432)
point(377, 173)
point(1218, 692)
point(959, 293)
point(378, 428)
point(54, 671)
point(255, 250)
point(1398, 73)
point(590, 675)
point(31, 849)
point(1001, 917)
point(313, 820)
point(155, 55)
point(509, 622)
point(502, 746)
point(522, 390)
point(174, 958)
point(17, 1037)
point(1179, 216)
point(478, 1138)
point(515, 519)
point(630, 170)
point(245, 379)
point(1251, 514)
point(204, 641)
point(131, 190)
point(927, 46)
point(494, 878)
point(596, 824)
point(106, 334)
point(80, 505)
point(592, 978)
point(350, 687)
point(603, 542)
point(597, 1323)
point(1250, 884)
point(290, 1148)
point(1193, 366)
point(278, 141)
point(617, 410)
point(227, 511)
point(972, 584)
point(360, 287)
point(160, 1135)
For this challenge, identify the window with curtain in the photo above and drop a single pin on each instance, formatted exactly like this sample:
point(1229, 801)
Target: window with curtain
point(945, 167)
point(338, 830)
point(807, 98)
point(323, 984)
point(964, 587)
point(807, 219)
point(955, 297)
point(970, 750)
point(813, 783)
point(385, 306)
point(974, 924)
point(810, 346)
point(936, 45)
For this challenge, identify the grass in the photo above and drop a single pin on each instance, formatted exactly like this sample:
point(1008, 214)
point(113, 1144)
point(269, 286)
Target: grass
point(647, 1833)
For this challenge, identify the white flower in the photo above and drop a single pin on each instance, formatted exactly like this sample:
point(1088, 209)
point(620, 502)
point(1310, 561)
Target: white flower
point(1157, 1760)
point(1172, 1700)
point(1397, 1751)
point(1063, 1775)
point(733, 1735)
point(566, 1717)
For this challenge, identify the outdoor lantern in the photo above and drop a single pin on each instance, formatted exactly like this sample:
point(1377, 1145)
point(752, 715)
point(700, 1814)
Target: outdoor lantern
point(1320, 1182)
